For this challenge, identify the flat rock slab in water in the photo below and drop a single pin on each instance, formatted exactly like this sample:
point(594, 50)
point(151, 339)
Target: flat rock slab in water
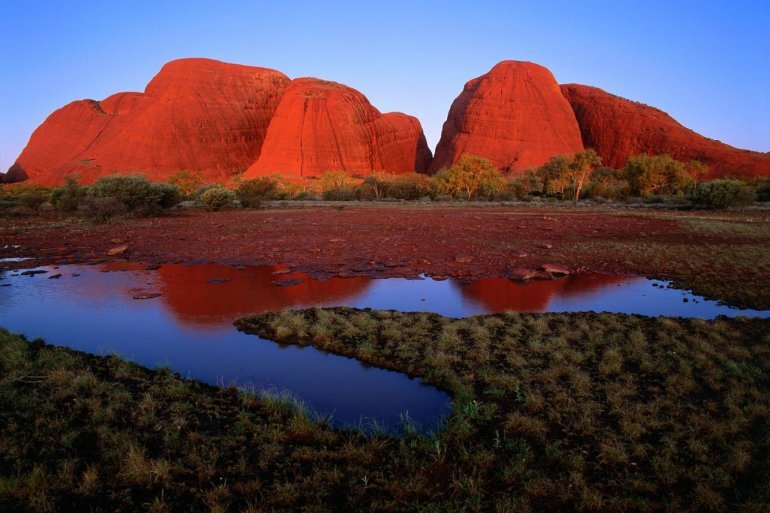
point(287, 283)
point(55, 276)
point(555, 269)
point(33, 272)
point(117, 250)
point(148, 295)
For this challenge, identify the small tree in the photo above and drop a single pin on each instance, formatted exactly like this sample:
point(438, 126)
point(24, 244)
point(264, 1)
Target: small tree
point(659, 174)
point(472, 175)
point(555, 175)
point(580, 167)
point(377, 182)
point(696, 169)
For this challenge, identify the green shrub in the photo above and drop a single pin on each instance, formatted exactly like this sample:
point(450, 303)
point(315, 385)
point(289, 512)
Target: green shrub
point(136, 193)
point(70, 196)
point(217, 198)
point(723, 194)
point(252, 193)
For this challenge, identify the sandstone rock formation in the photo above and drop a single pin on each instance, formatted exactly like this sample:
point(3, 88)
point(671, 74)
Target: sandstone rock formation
point(618, 128)
point(515, 116)
point(196, 114)
point(324, 126)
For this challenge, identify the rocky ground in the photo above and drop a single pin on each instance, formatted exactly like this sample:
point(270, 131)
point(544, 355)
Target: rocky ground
point(723, 255)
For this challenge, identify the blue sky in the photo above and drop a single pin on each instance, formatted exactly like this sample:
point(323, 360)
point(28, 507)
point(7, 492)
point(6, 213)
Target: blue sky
point(707, 63)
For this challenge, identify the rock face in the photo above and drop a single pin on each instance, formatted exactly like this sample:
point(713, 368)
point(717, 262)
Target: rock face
point(618, 128)
point(324, 126)
point(196, 114)
point(515, 116)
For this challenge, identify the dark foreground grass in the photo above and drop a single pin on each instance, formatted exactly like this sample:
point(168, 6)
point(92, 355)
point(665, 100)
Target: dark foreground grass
point(556, 412)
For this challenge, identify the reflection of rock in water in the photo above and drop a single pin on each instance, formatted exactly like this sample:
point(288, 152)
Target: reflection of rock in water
point(213, 294)
point(500, 294)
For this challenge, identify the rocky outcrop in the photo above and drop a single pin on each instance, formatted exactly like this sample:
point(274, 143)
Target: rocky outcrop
point(618, 128)
point(196, 114)
point(324, 126)
point(515, 116)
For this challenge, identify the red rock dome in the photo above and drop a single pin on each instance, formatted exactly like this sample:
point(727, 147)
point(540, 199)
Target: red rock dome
point(618, 128)
point(196, 114)
point(515, 116)
point(324, 126)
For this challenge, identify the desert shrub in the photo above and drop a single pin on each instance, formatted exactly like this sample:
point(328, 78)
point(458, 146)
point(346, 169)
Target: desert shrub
point(607, 183)
point(187, 182)
point(203, 188)
point(28, 196)
point(70, 196)
point(337, 185)
point(762, 188)
point(411, 186)
point(103, 208)
point(364, 192)
point(170, 194)
point(659, 174)
point(723, 194)
point(253, 192)
point(217, 198)
point(530, 183)
point(138, 195)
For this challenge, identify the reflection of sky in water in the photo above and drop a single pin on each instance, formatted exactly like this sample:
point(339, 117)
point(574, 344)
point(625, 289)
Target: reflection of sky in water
point(190, 327)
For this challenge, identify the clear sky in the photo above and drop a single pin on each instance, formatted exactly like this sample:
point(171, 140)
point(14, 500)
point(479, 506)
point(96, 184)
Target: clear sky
point(707, 63)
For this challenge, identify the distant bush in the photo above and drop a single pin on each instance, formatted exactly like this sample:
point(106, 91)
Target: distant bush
point(217, 198)
point(138, 195)
point(530, 183)
point(252, 193)
point(28, 196)
point(203, 188)
point(607, 183)
point(104, 208)
point(762, 188)
point(337, 186)
point(187, 182)
point(169, 194)
point(659, 174)
point(70, 196)
point(411, 186)
point(723, 194)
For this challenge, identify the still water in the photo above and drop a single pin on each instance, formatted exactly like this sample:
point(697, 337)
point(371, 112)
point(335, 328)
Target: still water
point(188, 326)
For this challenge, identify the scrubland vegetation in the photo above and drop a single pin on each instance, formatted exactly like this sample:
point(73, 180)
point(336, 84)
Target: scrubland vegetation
point(651, 179)
point(553, 412)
